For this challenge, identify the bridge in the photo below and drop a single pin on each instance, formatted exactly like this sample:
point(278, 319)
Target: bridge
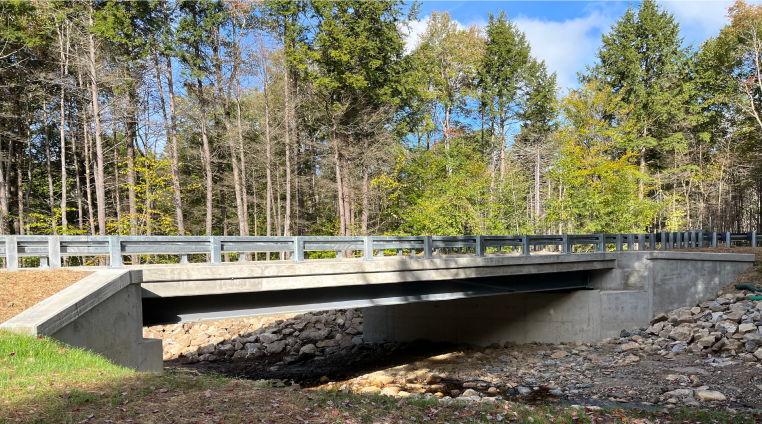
point(473, 289)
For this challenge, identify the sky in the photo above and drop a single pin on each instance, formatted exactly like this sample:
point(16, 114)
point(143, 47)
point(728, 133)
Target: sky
point(567, 34)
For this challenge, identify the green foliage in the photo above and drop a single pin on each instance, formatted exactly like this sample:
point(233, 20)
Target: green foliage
point(446, 192)
point(642, 61)
point(599, 192)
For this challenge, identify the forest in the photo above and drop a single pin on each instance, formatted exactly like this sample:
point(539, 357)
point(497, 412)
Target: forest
point(281, 118)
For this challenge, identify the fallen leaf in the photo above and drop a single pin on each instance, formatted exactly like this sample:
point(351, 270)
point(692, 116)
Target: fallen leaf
point(163, 390)
point(208, 393)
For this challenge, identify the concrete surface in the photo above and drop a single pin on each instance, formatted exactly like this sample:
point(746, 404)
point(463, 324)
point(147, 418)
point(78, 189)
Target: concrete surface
point(202, 279)
point(642, 284)
point(103, 313)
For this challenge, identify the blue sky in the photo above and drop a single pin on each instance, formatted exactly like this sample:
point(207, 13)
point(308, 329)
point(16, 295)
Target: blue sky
point(566, 34)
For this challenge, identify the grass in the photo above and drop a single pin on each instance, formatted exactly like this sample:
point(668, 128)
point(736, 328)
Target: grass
point(66, 385)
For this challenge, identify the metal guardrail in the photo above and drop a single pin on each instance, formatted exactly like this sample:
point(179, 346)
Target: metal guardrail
point(51, 249)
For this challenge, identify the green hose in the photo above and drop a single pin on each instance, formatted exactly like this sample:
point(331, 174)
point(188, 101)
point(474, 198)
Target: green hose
point(755, 297)
point(747, 286)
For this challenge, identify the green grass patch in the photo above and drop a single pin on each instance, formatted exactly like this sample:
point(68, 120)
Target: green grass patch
point(29, 363)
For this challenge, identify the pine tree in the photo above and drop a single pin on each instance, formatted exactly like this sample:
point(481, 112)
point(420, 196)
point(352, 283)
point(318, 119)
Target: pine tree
point(641, 61)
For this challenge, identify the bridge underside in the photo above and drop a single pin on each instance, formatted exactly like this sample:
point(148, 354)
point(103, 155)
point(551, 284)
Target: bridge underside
point(181, 309)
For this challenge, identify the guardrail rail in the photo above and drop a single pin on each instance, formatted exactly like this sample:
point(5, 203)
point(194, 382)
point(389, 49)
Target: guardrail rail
point(51, 249)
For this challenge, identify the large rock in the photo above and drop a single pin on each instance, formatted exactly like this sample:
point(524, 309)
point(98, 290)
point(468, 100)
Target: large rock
point(681, 334)
point(710, 395)
point(276, 347)
point(659, 318)
point(707, 341)
point(734, 316)
point(627, 347)
point(309, 349)
point(747, 328)
point(268, 337)
point(753, 337)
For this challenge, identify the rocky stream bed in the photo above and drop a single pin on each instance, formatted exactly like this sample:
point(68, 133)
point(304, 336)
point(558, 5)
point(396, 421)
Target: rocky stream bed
point(709, 355)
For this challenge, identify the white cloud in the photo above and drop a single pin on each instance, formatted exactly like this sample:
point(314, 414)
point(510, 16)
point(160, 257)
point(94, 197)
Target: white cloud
point(699, 20)
point(416, 28)
point(566, 46)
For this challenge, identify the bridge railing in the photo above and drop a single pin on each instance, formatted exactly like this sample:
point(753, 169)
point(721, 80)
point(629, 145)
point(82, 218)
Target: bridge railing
point(51, 249)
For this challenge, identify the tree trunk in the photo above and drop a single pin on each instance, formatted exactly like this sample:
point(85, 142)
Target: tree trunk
point(268, 165)
point(287, 95)
point(131, 123)
point(174, 162)
point(365, 191)
point(64, 55)
point(100, 187)
point(339, 188)
point(80, 218)
point(207, 157)
point(4, 192)
point(51, 201)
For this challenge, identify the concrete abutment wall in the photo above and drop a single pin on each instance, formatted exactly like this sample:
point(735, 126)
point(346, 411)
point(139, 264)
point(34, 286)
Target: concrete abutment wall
point(642, 284)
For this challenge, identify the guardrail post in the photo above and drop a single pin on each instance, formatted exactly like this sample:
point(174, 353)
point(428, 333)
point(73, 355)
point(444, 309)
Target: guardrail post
point(713, 241)
point(380, 253)
point(728, 242)
point(687, 240)
point(663, 241)
point(631, 241)
point(215, 254)
point(183, 258)
point(54, 252)
point(641, 241)
point(525, 245)
point(115, 252)
point(671, 241)
point(11, 253)
point(753, 239)
point(700, 239)
point(480, 249)
point(619, 242)
point(652, 241)
point(427, 247)
point(298, 249)
point(565, 240)
point(601, 242)
point(241, 257)
point(367, 250)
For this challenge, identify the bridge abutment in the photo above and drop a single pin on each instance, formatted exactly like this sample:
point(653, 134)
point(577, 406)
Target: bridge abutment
point(641, 285)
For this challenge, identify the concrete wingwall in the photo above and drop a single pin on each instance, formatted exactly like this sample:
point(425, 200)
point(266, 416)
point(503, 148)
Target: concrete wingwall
point(102, 313)
point(642, 284)
point(114, 329)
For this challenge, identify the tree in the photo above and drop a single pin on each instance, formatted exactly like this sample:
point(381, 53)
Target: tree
point(600, 186)
point(503, 80)
point(449, 58)
point(195, 33)
point(640, 60)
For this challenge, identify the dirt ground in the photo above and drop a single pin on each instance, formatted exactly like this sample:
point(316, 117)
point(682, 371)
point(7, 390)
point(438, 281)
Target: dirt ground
point(23, 289)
